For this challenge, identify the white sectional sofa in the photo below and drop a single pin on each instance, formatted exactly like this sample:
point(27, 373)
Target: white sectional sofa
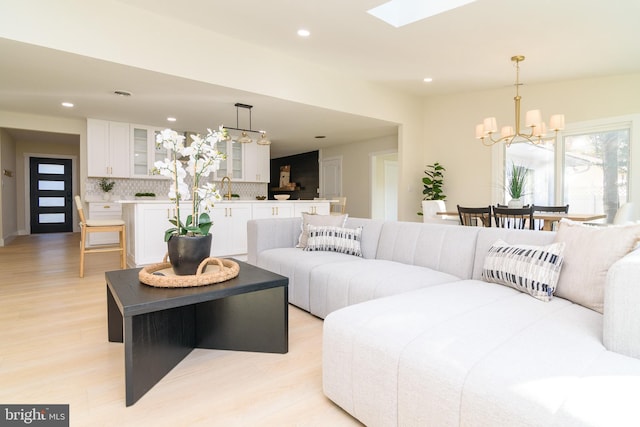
point(414, 337)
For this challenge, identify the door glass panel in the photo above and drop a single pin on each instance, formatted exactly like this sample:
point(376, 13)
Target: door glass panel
point(51, 185)
point(52, 218)
point(51, 201)
point(51, 169)
point(222, 147)
point(237, 160)
point(140, 151)
point(161, 153)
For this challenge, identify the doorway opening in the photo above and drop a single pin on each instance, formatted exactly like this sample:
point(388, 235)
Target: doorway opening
point(384, 181)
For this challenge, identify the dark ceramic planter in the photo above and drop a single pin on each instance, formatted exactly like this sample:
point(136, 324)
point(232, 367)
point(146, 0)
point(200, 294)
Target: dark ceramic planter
point(187, 252)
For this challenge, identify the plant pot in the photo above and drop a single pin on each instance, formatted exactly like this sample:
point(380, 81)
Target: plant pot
point(187, 252)
point(106, 196)
point(515, 204)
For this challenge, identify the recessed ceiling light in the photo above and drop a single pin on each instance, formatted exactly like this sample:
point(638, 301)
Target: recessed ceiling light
point(171, 119)
point(122, 93)
point(304, 33)
point(67, 104)
point(427, 79)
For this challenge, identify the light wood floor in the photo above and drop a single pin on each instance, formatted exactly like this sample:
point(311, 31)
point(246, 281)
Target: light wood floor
point(54, 349)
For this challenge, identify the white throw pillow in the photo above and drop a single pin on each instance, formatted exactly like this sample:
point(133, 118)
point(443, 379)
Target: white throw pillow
point(334, 239)
point(590, 252)
point(531, 269)
point(318, 220)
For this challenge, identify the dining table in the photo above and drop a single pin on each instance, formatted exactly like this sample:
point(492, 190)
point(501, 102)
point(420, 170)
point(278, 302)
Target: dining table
point(550, 218)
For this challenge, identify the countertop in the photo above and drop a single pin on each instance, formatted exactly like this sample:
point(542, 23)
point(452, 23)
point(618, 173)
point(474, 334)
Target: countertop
point(161, 201)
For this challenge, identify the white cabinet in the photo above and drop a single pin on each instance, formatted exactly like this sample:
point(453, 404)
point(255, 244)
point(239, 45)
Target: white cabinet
point(107, 149)
point(230, 228)
point(99, 211)
point(257, 163)
point(320, 208)
point(272, 210)
point(233, 166)
point(144, 152)
point(147, 221)
point(146, 224)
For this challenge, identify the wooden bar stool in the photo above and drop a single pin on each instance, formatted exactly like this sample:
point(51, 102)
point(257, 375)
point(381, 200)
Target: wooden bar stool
point(100, 226)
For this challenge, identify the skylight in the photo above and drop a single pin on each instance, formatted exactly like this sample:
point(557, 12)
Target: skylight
point(402, 12)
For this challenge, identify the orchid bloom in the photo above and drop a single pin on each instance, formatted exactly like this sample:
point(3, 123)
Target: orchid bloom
point(203, 159)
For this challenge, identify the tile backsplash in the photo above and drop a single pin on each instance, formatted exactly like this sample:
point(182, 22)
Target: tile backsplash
point(127, 188)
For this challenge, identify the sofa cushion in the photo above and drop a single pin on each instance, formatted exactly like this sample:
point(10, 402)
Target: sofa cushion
point(296, 264)
point(439, 247)
point(590, 252)
point(475, 353)
point(334, 239)
point(334, 286)
point(318, 220)
point(527, 268)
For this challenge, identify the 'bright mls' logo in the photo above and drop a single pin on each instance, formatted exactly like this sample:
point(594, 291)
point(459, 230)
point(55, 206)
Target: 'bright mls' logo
point(36, 415)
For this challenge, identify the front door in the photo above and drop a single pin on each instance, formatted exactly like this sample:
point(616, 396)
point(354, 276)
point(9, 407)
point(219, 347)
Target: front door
point(50, 189)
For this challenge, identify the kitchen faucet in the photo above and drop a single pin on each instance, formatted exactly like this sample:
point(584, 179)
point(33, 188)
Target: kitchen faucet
point(228, 195)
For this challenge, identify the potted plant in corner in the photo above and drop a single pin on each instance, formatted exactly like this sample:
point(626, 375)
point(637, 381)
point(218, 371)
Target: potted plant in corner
point(189, 242)
point(106, 186)
point(516, 180)
point(432, 183)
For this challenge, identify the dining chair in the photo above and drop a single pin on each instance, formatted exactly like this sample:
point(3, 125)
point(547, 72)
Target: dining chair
point(476, 217)
point(521, 218)
point(100, 226)
point(539, 223)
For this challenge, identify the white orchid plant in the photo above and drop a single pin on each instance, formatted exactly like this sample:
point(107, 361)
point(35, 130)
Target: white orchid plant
point(203, 159)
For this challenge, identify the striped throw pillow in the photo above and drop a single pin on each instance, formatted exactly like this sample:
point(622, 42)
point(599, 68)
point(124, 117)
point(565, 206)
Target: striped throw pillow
point(531, 269)
point(334, 239)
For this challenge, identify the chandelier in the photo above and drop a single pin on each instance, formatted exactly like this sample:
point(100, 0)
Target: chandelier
point(244, 136)
point(486, 130)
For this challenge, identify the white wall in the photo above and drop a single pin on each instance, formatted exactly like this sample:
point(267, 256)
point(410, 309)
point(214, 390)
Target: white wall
point(36, 122)
point(356, 171)
point(8, 214)
point(450, 126)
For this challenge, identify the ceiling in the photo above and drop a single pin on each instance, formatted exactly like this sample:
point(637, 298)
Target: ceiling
point(465, 49)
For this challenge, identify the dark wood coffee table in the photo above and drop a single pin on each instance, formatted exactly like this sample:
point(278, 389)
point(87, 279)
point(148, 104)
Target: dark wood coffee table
point(160, 326)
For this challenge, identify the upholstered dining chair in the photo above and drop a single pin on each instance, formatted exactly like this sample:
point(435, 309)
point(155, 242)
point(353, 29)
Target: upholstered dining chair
point(475, 216)
point(521, 218)
point(539, 223)
point(100, 226)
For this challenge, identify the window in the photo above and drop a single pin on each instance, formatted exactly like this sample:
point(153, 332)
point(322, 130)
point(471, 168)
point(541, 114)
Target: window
point(596, 171)
point(588, 167)
point(540, 163)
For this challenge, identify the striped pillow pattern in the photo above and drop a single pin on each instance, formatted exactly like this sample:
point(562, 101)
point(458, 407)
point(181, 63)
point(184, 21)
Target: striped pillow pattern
point(531, 269)
point(334, 239)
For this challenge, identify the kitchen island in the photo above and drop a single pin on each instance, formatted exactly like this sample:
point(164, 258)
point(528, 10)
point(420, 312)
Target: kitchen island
point(146, 221)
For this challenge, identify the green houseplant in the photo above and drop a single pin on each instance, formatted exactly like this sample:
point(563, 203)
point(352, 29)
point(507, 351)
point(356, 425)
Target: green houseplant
point(189, 241)
point(432, 183)
point(516, 181)
point(106, 186)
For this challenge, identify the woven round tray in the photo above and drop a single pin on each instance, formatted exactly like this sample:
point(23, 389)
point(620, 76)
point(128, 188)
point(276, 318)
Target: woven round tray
point(161, 275)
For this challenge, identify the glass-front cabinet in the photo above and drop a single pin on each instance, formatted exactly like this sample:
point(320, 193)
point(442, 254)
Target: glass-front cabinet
point(233, 165)
point(144, 151)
